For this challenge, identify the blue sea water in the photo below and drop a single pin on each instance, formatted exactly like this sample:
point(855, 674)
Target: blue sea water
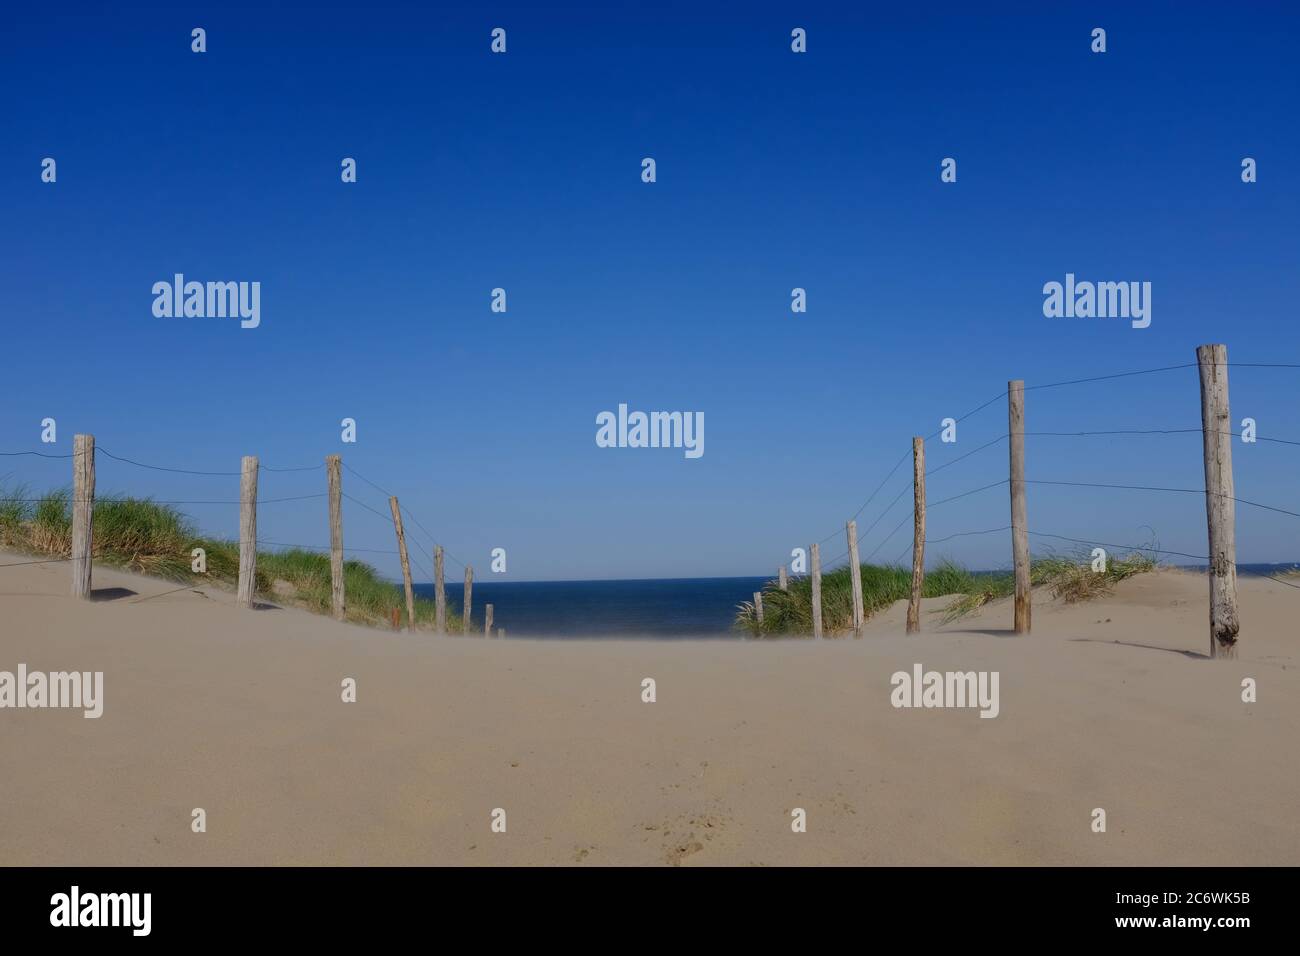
point(660, 608)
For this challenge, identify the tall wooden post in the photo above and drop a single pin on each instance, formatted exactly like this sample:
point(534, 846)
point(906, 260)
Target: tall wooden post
point(83, 514)
point(758, 608)
point(439, 592)
point(247, 531)
point(918, 535)
point(487, 620)
point(334, 473)
point(406, 563)
point(815, 556)
point(1019, 505)
point(1220, 508)
point(467, 607)
point(855, 578)
point(781, 581)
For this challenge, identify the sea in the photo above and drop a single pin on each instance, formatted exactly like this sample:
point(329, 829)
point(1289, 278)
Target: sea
point(660, 608)
point(652, 608)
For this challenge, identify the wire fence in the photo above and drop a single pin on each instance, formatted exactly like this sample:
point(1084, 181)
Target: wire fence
point(869, 533)
point(872, 534)
point(425, 539)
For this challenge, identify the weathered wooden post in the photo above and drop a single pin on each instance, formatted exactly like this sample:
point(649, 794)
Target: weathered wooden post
point(918, 535)
point(781, 581)
point(334, 473)
point(758, 608)
point(815, 557)
point(406, 564)
point(855, 578)
point(469, 599)
point(83, 514)
point(1019, 505)
point(439, 592)
point(487, 620)
point(1220, 507)
point(247, 531)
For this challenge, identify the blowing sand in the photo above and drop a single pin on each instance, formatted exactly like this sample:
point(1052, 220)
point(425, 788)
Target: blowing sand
point(1109, 704)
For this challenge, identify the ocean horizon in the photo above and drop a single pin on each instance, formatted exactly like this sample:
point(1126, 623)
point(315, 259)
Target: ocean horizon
point(641, 607)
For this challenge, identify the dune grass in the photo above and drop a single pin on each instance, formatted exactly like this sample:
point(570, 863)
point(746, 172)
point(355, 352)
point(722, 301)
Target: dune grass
point(141, 535)
point(1068, 579)
point(790, 612)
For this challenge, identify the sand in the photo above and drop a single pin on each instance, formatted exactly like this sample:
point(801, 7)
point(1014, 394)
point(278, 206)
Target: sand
point(1109, 704)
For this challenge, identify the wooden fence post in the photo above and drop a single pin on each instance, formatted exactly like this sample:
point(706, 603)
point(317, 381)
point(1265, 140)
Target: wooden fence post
point(1220, 508)
point(83, 514)
point(406, 563)
point(918, 535)
point(1019, 505)
point(247, 531)
point(855, 578)
point(758, 608)
point(334, 473)
point(781, 581)
point(816, 557)
point(439, 592)
point(467, 607)
point(487, 620)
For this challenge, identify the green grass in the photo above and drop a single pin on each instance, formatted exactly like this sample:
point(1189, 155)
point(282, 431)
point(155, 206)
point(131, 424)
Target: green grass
point(790, 612)
point(369, 597)
point(14, 510)
point(1068, 579)
point(141, 535)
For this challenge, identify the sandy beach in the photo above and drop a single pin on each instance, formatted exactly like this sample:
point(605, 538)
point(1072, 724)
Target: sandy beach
point(1109, 704)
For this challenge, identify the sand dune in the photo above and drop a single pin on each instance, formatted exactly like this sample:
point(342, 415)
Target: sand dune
point(1109, 704)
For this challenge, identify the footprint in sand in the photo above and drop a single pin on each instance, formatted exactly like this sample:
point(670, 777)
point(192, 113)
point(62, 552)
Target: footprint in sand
point(676, 854)
point(707, 825)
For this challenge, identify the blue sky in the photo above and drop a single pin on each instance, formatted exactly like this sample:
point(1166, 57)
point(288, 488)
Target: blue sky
point(775, 170)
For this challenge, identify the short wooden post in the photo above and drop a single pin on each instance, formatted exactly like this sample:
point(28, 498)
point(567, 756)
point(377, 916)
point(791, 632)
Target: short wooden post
point(334, 473)
point(467, 607)
point(406, 563)
point(815, 557)
point(1220, 507)
point(855, 578)
point(758, 608)
point(247, 531)
point(396, 614)
point(83, 514)
point(501, 633)
point(1019, 504)
point(918, 535)
point(487, 620)
point(781, 581)
point(439, 592)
